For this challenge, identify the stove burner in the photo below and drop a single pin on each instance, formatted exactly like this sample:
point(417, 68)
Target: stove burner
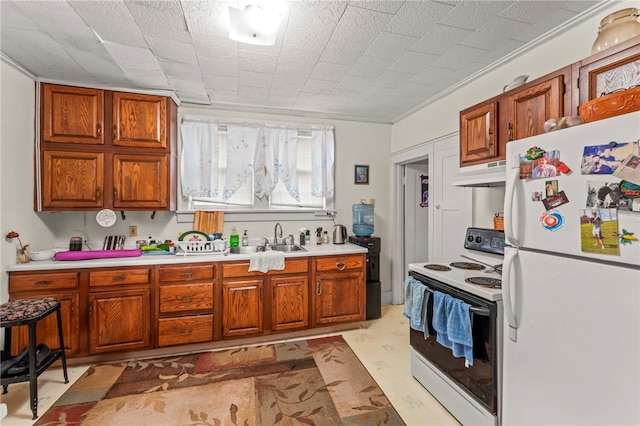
point(436, 267)
point(485, 281)
point(467, 265)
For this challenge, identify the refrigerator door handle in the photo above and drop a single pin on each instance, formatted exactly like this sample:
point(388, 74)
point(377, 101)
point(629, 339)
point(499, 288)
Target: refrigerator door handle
point(509, 312)
point(510, 191)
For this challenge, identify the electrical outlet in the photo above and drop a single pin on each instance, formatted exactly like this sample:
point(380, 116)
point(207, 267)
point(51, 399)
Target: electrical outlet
point(133, 231)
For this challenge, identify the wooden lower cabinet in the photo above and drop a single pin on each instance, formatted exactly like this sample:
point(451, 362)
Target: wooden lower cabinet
point(242, 307)
point(185, 329)
point(119, 320)
point(339, 289)
point(289, 302)
point(60, 285)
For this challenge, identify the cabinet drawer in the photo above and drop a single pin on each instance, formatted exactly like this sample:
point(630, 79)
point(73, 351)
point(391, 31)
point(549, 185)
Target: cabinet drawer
point(178, 331)
point(241, 269)
point(186, 297)
point(186, 273)
point(339, 263)
point(43, 281)
point(119, 276)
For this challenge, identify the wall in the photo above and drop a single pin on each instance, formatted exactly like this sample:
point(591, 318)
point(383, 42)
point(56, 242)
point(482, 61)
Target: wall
point(356, 143)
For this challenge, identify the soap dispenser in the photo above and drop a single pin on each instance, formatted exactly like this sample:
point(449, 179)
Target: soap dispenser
point(233, 238)
point(245, 239)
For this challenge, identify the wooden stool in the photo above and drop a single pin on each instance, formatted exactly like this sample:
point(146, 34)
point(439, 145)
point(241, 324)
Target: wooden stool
point(28, 312)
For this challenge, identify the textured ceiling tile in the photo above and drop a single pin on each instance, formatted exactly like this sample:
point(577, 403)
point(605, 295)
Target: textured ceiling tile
point(545, 24)
point(55, 11)
point(502, 50)
point(390, 46)
point(215, 46)
point(28, 60)
point(181, 70)
point(440, 39)
point(254, 79)
point(257, 62)
point(220, 83)
point(311, 23)
point(370, 67)
point(495, 33)
point(188, 86)
point(299, 57)
point(162, 19)
point(415, 18)
point(343, 52)
point(413, 62)
point(223, 67)
point(329, 71)
point(430, 75)
point(13, 17)
point(197, 97)
point(281, 101)
point(207, 17)
point(472, 15)
point(355, 84)
point(223, 96)
point(292, 76)
point(253, 96)
point(577, 5)
point(168, 50)
point(393, 79)
point(458, 56)
point(386, 6)
point(531, 12)
point(319, 86)
point(360, 25)
point(111, 21)
point(284, 89)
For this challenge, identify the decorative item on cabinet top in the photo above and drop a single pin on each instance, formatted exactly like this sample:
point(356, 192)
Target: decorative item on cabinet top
point(610, 105)
point(616, 28)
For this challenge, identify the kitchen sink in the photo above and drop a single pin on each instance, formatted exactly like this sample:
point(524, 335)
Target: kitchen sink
point(255, 249)
point(287, 247)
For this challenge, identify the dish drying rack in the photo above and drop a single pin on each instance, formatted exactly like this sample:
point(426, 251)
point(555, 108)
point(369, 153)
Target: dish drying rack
point(191, 248)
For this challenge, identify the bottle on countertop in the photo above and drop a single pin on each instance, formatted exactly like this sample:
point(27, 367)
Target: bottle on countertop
point(307, 236)
point(245, 239)
point(325, 237)
point(302, 239)
point(319, 236)
point(234, 239)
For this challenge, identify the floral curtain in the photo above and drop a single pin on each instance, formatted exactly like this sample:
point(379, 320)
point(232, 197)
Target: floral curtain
point(199, 158)
point(280, 161)
point(242, 141)
point(322, 162)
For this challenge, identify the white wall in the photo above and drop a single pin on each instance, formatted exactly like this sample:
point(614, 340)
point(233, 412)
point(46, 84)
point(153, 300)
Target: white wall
point(356, 143)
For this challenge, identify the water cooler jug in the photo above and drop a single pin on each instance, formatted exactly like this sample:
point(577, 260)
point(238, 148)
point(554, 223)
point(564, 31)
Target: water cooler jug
point(363, 220)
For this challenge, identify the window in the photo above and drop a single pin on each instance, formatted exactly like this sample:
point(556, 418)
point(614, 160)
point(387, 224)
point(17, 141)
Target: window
point(255, 167)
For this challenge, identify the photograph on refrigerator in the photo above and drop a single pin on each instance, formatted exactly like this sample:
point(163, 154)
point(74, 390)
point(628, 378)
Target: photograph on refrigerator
point(604, 159)
point(538, 164)
point(599, 231)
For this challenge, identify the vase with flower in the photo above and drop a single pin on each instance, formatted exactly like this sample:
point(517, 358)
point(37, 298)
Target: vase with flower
point(23, 250)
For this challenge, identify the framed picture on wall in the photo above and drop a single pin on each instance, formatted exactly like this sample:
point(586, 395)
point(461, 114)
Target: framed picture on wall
point(361, 174)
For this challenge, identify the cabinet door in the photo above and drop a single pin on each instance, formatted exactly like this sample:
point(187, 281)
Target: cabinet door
point(339, 297)
point(478, 134)
point(72, 179)
point(119, 320)
point(289, 302)
point(140, 181)
point(72, 114)
point(242, 307)
point(139, 120)
point(47, 329)
point(530, 108)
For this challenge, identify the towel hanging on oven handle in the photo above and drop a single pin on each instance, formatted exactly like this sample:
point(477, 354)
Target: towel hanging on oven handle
point(485, 312)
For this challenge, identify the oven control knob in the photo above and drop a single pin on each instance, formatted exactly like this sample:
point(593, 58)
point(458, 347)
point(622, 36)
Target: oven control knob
point(470, 238)
point(478, 239)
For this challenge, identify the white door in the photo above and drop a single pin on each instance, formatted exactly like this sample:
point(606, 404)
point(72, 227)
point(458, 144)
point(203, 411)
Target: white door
point(575, 358)
point(452, 205)
point(416, 217)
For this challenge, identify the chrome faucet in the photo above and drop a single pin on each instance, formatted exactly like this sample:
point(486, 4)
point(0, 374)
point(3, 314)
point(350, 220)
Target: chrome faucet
point(275, 233)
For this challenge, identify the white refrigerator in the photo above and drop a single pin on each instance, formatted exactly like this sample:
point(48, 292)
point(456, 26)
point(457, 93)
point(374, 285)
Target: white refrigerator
point(571, 347)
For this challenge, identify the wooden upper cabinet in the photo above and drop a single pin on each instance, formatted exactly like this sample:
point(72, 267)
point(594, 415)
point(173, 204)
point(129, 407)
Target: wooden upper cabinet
point(72, 115)
point(72, 179)
point(529, 108)
point(479, 133)
point(139, 120)
point(140, 181)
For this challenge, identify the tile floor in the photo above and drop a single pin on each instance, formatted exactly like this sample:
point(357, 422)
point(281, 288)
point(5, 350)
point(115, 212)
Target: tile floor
point(382, 345)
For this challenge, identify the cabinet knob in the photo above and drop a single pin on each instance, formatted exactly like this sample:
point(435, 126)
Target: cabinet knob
point(341, 266)
point(115, 132)
point(438, 206)
point(99, 129)
point(318, 288)
point(98, 192)
point(510, 132)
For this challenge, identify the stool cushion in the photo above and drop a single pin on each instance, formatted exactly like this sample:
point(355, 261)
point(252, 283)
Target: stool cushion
point(22, 311)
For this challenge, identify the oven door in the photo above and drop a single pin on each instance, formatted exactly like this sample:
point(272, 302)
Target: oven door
point(479, 380)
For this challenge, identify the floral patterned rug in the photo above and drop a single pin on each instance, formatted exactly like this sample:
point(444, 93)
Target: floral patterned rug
point(311, 382)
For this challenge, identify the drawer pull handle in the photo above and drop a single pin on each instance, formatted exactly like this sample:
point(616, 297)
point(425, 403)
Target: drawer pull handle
point(118, 278)
point(341, 266)
point(43, 282)
point(187, 331)
point(318, 288)
point(186, 299)
point(249, 287)
point(187, 275)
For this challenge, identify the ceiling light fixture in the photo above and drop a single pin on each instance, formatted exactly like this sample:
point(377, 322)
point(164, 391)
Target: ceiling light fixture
point(253, 25)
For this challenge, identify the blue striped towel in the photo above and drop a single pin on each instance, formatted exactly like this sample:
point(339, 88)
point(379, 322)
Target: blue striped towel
point(452, 321)
point(415, 300)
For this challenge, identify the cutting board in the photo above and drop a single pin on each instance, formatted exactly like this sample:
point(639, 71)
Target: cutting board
point(208, 221)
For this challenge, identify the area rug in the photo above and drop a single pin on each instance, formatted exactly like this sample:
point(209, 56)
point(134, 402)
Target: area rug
point(311, 382)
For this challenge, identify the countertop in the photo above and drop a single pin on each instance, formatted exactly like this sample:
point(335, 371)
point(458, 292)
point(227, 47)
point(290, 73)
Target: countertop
point(168, 259)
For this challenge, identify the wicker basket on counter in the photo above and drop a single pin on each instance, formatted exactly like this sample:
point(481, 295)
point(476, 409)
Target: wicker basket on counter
point(498, 222)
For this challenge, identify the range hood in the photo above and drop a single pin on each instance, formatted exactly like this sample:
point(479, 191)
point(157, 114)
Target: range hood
point(490, 174)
